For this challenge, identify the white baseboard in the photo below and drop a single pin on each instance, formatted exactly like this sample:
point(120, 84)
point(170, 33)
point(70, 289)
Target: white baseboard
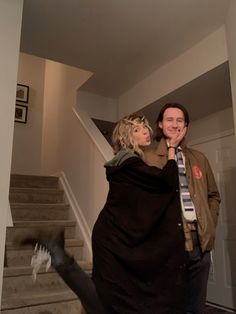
point(81, 221)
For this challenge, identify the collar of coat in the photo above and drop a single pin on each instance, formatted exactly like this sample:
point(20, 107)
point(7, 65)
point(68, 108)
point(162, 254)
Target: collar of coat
point(161, 147)
point(120, 157)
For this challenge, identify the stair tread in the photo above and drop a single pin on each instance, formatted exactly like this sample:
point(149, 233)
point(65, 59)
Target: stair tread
point(27, 223)
point(33, 189)
point(27, 270)
point(23, 300)
point(30, 176)
point(68, 243)
point(16, 204)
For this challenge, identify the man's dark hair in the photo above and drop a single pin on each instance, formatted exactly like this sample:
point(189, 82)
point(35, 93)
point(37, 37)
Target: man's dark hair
point(159, 134)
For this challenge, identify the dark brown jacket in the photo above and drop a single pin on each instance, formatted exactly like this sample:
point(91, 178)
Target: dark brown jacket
point(138, 239)
point(202, 188)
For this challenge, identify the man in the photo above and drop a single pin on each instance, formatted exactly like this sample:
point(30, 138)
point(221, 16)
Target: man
point(199, 199)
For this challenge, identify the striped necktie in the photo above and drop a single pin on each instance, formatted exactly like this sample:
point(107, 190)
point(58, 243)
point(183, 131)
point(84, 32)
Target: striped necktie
point(186, 201)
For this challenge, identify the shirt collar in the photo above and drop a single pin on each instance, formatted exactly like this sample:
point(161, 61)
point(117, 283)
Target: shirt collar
point(162, 147)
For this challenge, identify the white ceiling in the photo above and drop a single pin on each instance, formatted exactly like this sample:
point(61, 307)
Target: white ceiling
point(121, 41)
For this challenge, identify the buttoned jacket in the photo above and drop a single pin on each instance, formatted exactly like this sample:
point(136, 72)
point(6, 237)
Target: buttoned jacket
point(202, 188)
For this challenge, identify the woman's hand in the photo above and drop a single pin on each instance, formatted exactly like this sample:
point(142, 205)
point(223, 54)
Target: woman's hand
point(177, 138)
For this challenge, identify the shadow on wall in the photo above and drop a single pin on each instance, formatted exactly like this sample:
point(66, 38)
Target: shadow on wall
point(203, 96)
point(106, 128)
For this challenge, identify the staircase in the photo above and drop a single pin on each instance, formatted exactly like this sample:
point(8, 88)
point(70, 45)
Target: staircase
point(37, 202)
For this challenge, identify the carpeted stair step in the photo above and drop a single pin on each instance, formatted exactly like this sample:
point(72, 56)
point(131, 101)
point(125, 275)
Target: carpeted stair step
point(15, 271)
point(18, 281)
point(34, 195)
point(51, 303)
point(18, 180)
point(21, 256)
point(37, 203)
point(21, 229)
point(37, 211)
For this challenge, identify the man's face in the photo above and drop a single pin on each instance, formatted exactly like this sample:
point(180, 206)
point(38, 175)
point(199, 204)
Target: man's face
point(173, 122)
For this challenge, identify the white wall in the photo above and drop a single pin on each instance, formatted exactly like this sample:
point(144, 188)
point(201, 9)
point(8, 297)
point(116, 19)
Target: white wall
point(28, 137)
point(231, 43)
point(84, 165)
point(206, 55)
point(10, 26)
point(61, 84)
point(97, 106)
point(213, 124)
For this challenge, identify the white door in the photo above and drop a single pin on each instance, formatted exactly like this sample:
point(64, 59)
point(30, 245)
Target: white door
point(221, 153)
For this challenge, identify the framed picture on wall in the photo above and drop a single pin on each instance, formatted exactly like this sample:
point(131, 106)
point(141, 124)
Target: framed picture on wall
point(22, 93)
point(21, 113)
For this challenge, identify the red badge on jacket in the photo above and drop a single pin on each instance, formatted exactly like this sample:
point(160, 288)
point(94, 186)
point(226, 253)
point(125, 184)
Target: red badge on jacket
point(197, 172)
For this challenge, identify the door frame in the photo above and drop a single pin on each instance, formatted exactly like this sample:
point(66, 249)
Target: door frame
point(204, 140)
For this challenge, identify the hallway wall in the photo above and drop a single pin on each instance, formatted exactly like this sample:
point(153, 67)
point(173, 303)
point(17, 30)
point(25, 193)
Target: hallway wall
point(28, 137)
point(10, 26)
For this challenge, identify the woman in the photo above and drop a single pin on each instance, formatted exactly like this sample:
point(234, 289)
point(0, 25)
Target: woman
point(137, 240)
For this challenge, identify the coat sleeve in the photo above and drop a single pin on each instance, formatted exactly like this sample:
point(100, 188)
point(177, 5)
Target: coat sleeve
point(213, 193)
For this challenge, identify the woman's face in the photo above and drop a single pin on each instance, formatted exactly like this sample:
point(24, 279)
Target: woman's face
point(141, 134)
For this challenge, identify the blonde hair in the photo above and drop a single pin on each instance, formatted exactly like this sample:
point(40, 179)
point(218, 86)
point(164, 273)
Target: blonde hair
point(122, 136)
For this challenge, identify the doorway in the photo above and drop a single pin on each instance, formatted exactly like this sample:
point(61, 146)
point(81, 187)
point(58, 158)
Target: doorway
point(221, 153)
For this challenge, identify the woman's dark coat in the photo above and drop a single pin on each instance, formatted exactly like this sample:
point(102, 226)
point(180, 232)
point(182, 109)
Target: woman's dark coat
point(138, 240)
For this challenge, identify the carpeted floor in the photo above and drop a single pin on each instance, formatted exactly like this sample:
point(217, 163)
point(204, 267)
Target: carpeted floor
point(213, 310)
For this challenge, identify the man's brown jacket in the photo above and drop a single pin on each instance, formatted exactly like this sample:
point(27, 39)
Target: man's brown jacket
point(202, 188)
